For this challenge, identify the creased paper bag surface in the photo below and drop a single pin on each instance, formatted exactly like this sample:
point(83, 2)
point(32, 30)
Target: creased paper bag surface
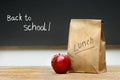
point(86, 46)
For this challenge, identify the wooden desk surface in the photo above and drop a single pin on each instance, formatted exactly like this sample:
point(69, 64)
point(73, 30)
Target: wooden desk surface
point(47, 73)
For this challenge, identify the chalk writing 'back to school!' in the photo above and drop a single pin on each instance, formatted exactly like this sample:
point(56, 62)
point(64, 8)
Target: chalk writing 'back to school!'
point(31, 26)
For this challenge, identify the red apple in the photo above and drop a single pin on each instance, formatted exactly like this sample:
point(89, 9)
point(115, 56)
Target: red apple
point(61, 63)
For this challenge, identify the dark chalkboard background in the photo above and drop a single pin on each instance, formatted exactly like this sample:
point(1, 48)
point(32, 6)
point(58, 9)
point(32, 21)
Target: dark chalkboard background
point(58, 13)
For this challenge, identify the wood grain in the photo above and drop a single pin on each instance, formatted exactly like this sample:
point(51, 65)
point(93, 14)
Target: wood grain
point(47, 73)
point(64, 47)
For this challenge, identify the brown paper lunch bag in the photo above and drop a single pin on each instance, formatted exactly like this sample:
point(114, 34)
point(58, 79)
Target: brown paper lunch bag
point(86, 46)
